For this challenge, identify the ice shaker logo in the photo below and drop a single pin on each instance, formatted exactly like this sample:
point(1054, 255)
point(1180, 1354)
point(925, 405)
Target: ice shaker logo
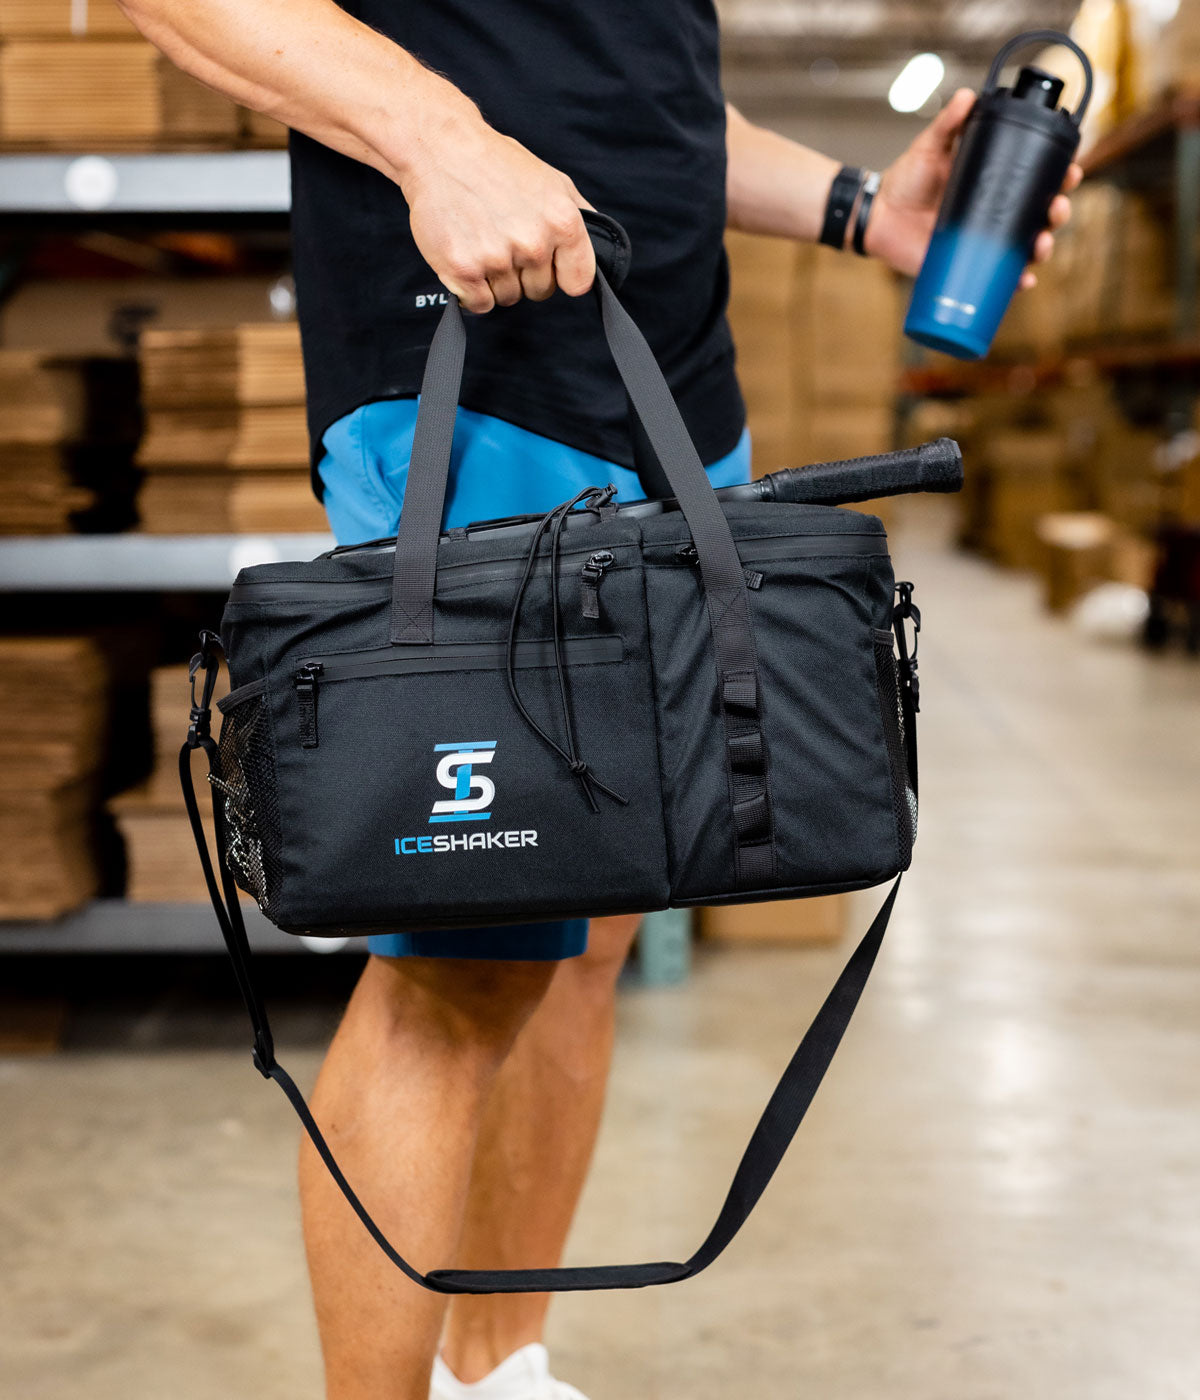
point(473, 792)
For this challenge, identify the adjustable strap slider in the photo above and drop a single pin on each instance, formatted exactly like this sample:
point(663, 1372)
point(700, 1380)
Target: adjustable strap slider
point(263, 1053)
point(199, 726)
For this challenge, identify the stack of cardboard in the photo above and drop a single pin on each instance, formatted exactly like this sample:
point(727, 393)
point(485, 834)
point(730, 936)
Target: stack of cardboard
point(64, 19)
point(262, 132)
point(849, 317)
point(226, 446)
point(160, 854)
point(76, 72)
point(818, 343)
point(53, 707)
point(67, 427)
point(818, 920)
point(1026, 476)
point(1172, 51)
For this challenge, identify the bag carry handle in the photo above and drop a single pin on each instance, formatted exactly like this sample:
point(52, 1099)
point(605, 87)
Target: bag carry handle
point(764, 1152)
point(738, 690)
point(415, 568)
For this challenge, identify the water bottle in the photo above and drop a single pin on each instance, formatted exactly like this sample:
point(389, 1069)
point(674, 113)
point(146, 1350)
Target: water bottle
point(1015, 150)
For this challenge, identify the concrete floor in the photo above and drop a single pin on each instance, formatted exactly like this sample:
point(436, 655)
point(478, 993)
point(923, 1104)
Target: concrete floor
point(995, 1195)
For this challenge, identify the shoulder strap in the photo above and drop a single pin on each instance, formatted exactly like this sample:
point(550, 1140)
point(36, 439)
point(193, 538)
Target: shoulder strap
point(764, 1152)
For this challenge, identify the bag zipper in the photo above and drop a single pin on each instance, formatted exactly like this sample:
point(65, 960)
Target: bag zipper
point(306, 698)
point(452, 575)
point(591, 576)
point(313, 672)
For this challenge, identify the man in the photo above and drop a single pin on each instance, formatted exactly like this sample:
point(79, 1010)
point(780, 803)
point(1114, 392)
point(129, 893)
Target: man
point(451, 146)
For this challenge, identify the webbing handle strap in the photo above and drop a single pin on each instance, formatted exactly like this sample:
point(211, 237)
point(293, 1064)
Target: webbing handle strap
point(765, 1150)
point(415, 567)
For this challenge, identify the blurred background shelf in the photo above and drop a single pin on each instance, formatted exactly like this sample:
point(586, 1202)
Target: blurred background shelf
point(1146, 134)
point(115, 925)
point(95, 186)
point(136, 563)
point(986, 376)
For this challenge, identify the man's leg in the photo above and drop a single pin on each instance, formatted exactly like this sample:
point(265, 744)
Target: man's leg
point(535, 1144)
point(400, 1098)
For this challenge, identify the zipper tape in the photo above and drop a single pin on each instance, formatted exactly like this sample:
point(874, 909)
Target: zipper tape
point(461, 656)
point(452, 575)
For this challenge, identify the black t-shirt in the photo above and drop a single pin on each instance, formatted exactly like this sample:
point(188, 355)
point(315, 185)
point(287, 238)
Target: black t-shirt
point(624, 96)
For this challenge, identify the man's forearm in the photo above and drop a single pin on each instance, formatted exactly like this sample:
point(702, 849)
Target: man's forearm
point(773, 185)
point(315, 68)
point(493, 221)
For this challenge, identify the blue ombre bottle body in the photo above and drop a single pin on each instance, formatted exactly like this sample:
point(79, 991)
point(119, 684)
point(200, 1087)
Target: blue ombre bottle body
point(1015, 150)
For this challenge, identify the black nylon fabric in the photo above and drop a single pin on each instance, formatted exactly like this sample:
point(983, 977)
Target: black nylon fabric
point(625, 98)
point(650, 724)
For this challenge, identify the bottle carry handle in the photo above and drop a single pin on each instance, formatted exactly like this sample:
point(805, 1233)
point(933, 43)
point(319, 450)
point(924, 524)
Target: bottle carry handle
point(1044, 36)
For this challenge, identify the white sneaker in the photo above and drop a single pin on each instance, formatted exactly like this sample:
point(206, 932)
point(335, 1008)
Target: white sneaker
point(525, 1375)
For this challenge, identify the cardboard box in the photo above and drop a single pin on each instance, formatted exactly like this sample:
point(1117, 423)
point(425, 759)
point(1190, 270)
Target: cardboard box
point(818, 920)
point(1076, 549)
point(61, 93)
point(1025, 480)
point(63, 19)
point(818, 344)
point(831, 433)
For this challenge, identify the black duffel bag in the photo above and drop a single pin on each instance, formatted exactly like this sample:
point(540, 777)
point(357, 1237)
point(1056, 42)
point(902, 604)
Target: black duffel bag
point(603, 710)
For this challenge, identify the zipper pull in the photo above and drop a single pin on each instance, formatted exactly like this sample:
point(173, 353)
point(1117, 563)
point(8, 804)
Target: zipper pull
point(590, 578)
point(306, 694)
point(688, 554)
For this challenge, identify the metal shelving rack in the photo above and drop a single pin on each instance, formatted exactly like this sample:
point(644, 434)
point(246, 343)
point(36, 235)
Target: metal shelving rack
point(143, 563)
point(227, 189)
point(205, 187)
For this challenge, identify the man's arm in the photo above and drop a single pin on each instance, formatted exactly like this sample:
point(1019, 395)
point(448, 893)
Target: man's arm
point(776, 186)
point(492, 220)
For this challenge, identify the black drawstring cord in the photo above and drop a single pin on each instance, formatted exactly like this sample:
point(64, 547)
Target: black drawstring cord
point(553, 521)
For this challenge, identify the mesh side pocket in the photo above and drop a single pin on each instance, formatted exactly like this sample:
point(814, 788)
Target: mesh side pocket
point(904, 799)
point(245, 779)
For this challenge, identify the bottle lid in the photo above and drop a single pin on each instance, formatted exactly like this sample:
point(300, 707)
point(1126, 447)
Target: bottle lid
point(1037, 86)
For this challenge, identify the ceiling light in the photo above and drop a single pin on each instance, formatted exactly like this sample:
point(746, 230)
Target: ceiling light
point(916, 82)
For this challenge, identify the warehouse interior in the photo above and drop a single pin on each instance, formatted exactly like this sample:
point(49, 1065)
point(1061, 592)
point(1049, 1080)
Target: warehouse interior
point(993, 1194)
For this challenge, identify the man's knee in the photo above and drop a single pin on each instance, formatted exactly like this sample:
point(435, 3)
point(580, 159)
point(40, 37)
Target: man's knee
point(609, 942)
point(466, 1003)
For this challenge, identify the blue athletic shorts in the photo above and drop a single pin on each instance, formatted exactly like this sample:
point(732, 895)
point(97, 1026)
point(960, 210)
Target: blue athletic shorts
point(496, 469)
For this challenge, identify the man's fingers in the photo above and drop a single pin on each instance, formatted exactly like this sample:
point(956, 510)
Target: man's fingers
point(538, 283)
point(474, 296)
point(1073, 177)
point(943, 131)
point(1043, 246)
point(506, 286)
point(575, 260)
point(1060, 211)
point(1028, 280)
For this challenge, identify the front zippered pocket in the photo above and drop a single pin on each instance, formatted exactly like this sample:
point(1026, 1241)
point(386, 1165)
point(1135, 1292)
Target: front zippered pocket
point(316, 671)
